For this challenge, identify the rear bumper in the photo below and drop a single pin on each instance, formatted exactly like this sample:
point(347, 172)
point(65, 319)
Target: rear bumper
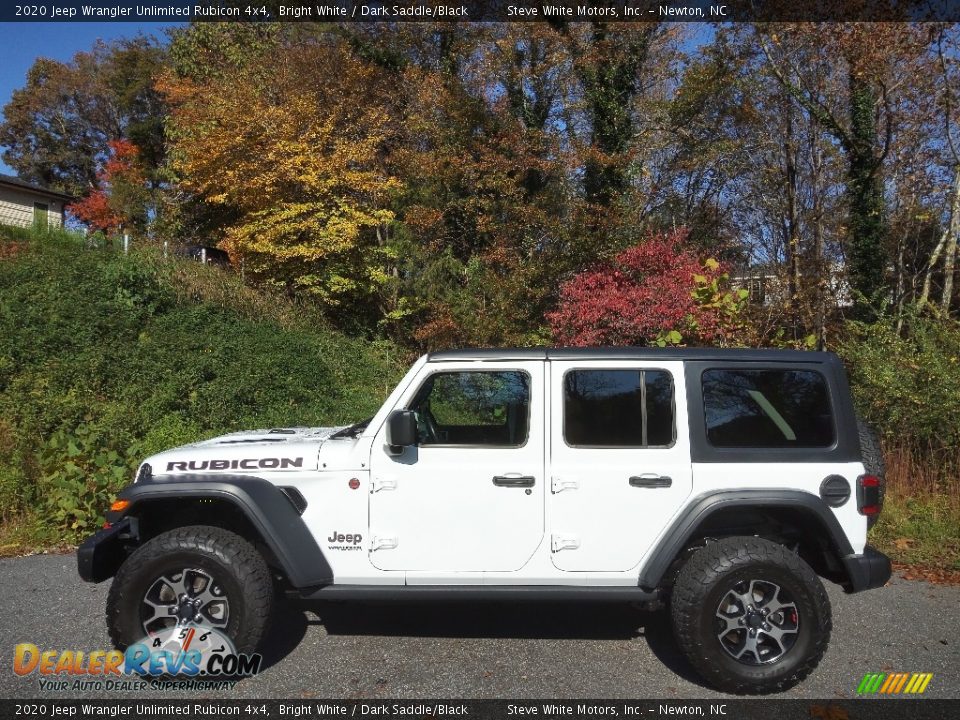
point(101, 555)
point(867, 571)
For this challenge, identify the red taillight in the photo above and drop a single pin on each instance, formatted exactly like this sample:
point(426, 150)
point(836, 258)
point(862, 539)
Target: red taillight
point(868, 494)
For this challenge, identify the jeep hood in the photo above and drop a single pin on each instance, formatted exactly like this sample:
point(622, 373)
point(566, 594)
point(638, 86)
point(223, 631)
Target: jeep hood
point(273, 449)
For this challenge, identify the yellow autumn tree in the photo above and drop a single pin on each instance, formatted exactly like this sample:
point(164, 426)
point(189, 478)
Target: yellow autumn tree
point(292, 148)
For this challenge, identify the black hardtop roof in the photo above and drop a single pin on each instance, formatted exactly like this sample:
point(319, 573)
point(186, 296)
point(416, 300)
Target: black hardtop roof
point(636, 353)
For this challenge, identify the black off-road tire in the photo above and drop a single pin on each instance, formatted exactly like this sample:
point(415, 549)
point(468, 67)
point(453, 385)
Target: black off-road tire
point(229, 558)
point(703, 583)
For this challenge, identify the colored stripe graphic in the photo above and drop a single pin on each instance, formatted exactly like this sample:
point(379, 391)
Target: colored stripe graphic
point(894, 683)
point(903, 681)
point(889, 682)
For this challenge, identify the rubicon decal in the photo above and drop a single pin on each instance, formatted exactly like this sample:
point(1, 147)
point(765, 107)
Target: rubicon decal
point(894, 683)
point(245, 464)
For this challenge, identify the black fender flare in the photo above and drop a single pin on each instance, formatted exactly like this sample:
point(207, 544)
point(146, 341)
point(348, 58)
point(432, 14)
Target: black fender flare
point(269, 510)
point(700, 508)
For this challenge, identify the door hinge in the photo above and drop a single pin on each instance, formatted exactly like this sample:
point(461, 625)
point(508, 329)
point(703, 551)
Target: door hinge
point(558, 485)
point(564, 542)
point(383, 543)
point(382, 483)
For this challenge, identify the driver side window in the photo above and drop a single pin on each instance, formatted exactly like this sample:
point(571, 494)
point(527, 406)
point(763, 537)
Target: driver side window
point(478, 408)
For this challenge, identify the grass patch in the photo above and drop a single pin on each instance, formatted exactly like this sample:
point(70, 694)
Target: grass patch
point(919, 531)
point(29, 534)
point(920, 522)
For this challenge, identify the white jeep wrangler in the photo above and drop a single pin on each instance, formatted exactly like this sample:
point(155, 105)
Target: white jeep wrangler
point(722, 482)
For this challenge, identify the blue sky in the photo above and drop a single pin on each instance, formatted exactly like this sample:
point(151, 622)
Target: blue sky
point(22, 43)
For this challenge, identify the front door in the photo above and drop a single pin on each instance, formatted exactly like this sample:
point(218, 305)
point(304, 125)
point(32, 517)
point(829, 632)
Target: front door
point(619, 459)
point(470, 496)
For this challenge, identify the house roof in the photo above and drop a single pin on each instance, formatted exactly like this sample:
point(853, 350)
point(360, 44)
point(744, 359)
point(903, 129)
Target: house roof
point(15, 182)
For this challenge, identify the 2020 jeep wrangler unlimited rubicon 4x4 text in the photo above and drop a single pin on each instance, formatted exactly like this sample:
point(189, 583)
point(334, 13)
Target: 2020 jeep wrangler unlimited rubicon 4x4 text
point(721, 482)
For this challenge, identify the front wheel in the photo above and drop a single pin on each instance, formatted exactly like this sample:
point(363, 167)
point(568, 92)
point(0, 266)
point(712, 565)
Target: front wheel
point(750, 615)
point(197, 574)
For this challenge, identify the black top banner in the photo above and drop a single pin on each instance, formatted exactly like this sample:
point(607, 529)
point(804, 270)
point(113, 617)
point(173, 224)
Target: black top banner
point(385, 709)
point(637, 11)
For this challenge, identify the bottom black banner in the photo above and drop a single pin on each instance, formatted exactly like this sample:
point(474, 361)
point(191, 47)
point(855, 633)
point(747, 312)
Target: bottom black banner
point(761, 709)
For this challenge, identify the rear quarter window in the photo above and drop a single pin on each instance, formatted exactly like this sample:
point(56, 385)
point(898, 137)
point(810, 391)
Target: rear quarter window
point(767, 409)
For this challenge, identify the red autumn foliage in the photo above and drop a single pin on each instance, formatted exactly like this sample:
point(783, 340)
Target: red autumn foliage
point(646, 291)
point(99, 210)
point(94, 211)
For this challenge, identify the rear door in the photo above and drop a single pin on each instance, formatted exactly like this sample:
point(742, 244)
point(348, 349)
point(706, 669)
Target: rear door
point(619, 460)
point(469, 497)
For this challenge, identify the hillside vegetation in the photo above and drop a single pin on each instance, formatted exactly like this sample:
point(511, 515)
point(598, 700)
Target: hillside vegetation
point(106, 358)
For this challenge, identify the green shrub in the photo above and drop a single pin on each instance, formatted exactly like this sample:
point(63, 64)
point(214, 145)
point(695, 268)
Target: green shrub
point(79, 475)
point(907, 384)
point(106, 358)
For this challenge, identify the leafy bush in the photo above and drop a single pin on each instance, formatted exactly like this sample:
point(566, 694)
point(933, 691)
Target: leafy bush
point(907, 384)
point(657, 292)
point(105, 358)
point(78, 478)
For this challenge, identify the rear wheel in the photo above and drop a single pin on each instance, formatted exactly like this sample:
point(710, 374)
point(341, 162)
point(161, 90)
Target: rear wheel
point(197, 574)
point(750, 616)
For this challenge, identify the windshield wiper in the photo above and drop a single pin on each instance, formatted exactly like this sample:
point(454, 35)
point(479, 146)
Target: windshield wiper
point(352, 431)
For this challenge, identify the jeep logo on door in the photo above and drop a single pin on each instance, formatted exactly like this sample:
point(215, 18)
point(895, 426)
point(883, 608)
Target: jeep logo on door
point(246, 464)
point(341, 541)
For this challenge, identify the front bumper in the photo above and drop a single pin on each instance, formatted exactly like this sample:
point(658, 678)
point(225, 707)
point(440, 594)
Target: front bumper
point(100, 555)
point(867, 571)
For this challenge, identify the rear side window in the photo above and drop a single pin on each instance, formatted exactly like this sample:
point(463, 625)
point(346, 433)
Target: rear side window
point(767, 409)
point(618, 408)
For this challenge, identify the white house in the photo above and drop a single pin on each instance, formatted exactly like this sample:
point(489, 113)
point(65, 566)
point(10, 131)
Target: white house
point(24, 204)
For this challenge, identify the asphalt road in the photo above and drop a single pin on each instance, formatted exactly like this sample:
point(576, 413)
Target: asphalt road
point(488, 651)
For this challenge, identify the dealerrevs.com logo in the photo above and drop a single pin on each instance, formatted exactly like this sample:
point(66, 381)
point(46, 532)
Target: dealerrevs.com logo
point(185, 657)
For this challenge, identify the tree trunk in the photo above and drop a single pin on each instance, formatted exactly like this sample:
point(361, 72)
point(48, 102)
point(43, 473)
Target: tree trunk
point(793, 222)
point(610, 86)
point(949, 263)
point(865, 257)
point(945, 239)
point(820, 269)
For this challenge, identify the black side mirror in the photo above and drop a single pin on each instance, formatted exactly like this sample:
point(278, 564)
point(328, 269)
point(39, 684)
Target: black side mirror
point(401, 429)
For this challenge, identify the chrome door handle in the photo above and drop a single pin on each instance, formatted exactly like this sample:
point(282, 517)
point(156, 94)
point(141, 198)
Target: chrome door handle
point(513, 480)
point(651, 480)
